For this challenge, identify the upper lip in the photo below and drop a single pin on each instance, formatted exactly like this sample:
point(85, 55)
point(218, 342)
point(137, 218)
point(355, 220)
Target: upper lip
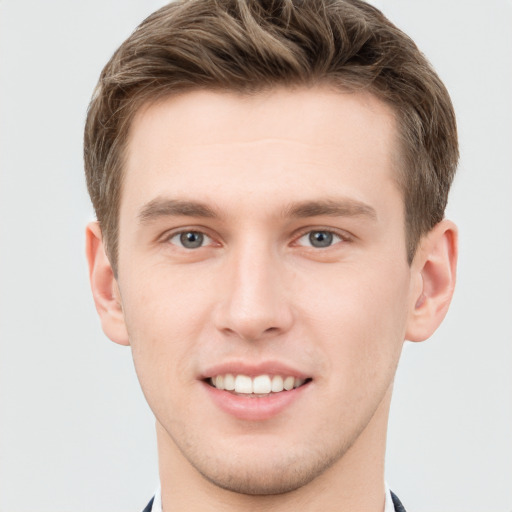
point(254, 369)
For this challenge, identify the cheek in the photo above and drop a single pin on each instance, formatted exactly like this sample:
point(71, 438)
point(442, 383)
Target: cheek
point(163, 302)
point(361, 316)
point(164, 317)
point(359, 327)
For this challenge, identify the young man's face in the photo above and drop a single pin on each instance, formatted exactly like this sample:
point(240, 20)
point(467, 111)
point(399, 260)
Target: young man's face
point(262, 240)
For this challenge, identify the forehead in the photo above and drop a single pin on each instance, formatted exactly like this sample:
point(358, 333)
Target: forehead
point(319, 114)
point(281, 145)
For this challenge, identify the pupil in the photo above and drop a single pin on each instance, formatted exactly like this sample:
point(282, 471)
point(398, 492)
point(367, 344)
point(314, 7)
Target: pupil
point(191, 240)
point(320, 238)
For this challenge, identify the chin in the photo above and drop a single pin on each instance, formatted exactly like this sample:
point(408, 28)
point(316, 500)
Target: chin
point(277, 474)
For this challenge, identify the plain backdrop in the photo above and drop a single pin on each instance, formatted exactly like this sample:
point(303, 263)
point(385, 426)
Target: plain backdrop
point(75, 432)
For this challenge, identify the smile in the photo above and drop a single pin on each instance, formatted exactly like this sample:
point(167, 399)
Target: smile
point(260, 385)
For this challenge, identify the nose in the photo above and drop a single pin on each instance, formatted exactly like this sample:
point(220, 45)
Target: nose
point(255, 298)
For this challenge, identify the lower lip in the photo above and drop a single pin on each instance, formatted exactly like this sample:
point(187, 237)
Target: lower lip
point(252, 408)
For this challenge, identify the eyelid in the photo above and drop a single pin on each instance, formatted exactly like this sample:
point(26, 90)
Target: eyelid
point(344, 235)
point(168, 235)
point(205, 241)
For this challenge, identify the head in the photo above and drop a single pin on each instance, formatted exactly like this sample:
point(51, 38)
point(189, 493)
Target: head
point(270, 181)
point(254, 46)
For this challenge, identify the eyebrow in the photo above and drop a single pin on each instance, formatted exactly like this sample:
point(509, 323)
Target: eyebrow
point(331, 207)
point(163, 207)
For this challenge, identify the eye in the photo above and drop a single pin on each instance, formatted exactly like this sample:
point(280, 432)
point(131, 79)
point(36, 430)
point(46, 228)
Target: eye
point(319, 239)
point(190, 239)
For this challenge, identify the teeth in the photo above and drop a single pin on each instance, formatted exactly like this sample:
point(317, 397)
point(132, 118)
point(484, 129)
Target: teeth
point(298, 382)
point(229, 383)
point(243, 384)
point(288, 383)
point(277, 384)
point(260, 385)
point(219, 381)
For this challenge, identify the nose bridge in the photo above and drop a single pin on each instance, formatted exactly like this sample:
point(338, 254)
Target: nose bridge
point(255, 302)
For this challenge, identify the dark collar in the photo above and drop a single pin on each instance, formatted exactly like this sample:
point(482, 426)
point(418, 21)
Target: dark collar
point(397, 503)
point(149, 505)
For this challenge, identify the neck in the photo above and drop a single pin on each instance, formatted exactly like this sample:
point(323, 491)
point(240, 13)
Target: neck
point(354, 482)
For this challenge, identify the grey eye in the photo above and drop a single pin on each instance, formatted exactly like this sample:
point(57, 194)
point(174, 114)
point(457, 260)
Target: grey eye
point(190, 239)
point(319, 239)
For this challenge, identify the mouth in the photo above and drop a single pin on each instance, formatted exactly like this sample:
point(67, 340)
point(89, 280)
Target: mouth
point(257, 391)
point(259, 386)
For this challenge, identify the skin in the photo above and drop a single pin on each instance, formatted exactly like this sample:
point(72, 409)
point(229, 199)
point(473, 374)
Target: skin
point(258, 291)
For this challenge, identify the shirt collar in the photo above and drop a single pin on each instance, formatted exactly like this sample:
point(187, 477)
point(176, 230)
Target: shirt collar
point(157, 502)
point(388, 507)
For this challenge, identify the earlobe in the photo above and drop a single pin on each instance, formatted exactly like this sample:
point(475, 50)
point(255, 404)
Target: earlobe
point(104, 286)
point(435, 266)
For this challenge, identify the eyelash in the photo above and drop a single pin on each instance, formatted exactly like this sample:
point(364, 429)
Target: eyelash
point(169, 238)
point(334, 234)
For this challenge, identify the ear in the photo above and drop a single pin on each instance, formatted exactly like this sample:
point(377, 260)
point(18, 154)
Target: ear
point(105, 290)
point(434, 267)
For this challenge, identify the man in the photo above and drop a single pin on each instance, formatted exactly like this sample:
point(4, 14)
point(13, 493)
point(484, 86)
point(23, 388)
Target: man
point(270, 179)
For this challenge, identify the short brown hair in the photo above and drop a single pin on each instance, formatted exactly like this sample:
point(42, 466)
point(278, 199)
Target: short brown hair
point(253, 45)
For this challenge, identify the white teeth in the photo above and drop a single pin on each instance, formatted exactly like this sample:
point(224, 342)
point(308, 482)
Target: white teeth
point(229, 382)
point(259, 385)
point(298, 382)
point(243, 384)
point(277, 384)
point(288, 383)
point(219, 382)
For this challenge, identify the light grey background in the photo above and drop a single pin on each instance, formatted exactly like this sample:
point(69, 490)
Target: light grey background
point(75, 432)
